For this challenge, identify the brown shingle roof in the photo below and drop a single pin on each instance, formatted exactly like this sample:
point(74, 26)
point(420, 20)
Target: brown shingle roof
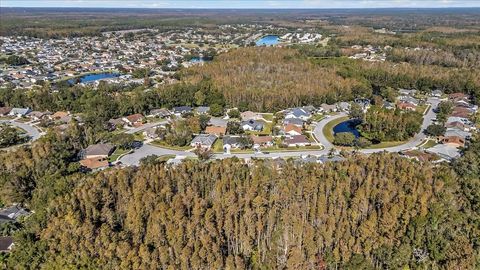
point(94, 163)
point(216, 130)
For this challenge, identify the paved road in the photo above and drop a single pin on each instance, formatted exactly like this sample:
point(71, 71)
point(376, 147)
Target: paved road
point(146, 150)
point(417, 139)
point(146, 126)
point(32, 131)
point(318, 130)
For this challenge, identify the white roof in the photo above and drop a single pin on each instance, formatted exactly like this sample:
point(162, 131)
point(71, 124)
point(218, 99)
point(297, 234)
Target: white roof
point(444, 150)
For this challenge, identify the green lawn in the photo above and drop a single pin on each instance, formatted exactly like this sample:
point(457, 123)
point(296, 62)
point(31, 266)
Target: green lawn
point(218, 146)
point(267, 129)
point(428, 144)
point(386, 144)
point(328, 129)
point(139, 136)
point(267, 116)
point(423, 108)
point(317, 117)
point(291, 149)
point(118, 152)
point(171, 147)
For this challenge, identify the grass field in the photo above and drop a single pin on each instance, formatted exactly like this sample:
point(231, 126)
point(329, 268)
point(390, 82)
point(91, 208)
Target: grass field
point(118, 152)
point(328, 129)
point(428, 144)
point(386, 144)
point(171, 147)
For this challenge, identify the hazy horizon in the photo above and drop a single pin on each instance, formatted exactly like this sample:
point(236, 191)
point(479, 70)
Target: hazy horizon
point(243, 4)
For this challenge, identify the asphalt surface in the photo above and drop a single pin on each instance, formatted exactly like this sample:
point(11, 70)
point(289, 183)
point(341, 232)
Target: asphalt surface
point(145, 126)
point(146, 150)
point(32, 131)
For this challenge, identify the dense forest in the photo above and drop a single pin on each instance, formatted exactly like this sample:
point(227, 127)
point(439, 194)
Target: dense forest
point(390, 125)
point(292, 77)
point(380, 211)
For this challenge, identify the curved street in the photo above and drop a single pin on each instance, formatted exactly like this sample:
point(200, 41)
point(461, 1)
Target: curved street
point(31, 130)
point(147, 150)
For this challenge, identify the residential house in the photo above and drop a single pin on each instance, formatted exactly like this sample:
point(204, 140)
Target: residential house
point(19, 112)
point(262, 141)
point(458, 133)
point(343, 106)
point(388, 105)
point(453, 141)
point(205, 141)
point(297, 140)
point(325, 159)
point(294, 121)
point(134, 120)
point(163, 113)
point(94, 163)
point(231, 142)
point(463, 120)
point(249, 115)
point(5, 111)
point(35, 115)
point(458, 96)
point(151, 133)
point(299, 113)
point(292, 130)
point(6, 244)
point(59, 115)
point(406, 106)
point(409, 99)
point(216, 130)
point(202, 110)
point(446, 151)
point(114, 123)
point(100, 151)
point(14, 212)
point(437, 93)
point(181, 110)
point(407, 92)
point(457, 125)
point(252, 125)
point(328, 108)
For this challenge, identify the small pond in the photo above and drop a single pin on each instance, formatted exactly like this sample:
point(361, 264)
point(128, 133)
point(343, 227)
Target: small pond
point(347, 126)
point(94, 77)
point(269, 40)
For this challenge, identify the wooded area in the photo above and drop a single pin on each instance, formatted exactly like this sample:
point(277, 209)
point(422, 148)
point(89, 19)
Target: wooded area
point(381, 211)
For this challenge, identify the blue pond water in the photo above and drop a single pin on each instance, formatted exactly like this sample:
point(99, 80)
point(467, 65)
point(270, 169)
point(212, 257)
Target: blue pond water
point(269, 40)
point(347, 126)
point(200, 60)
point(95, 77)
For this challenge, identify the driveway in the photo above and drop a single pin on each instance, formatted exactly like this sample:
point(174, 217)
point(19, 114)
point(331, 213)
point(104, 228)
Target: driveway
point(146, 150)
point(146, 126)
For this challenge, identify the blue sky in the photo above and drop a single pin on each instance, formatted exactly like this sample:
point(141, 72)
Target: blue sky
point(242, 3)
